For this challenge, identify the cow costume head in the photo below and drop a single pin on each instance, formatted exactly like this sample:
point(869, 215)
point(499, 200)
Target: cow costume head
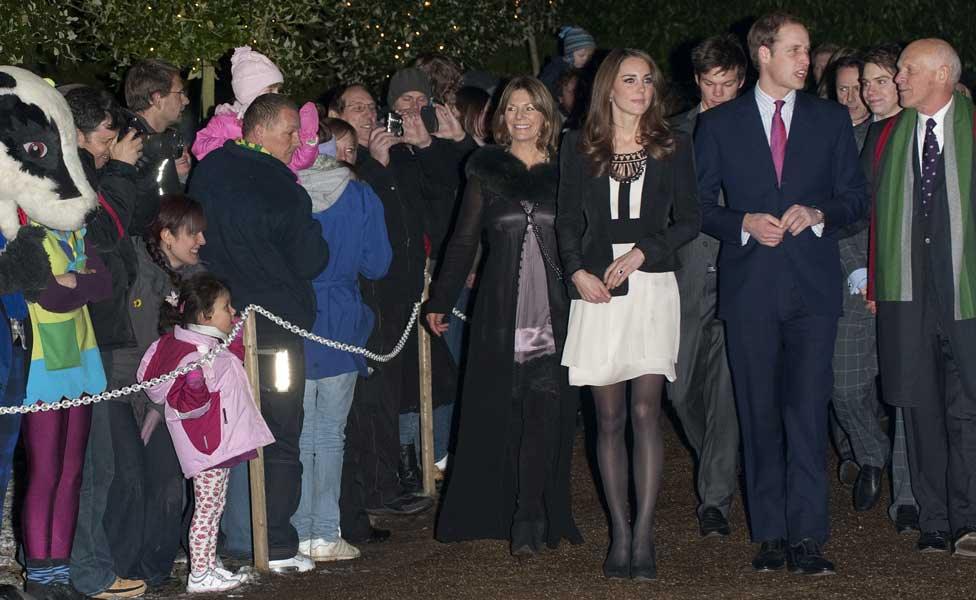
point(40, 172)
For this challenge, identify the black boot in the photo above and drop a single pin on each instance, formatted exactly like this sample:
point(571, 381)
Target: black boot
point(409, 470)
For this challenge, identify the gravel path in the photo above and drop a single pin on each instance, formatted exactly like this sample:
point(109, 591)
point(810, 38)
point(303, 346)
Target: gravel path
point(873, 561)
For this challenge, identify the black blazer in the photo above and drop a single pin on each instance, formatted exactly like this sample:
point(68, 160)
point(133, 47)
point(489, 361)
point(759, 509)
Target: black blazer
point(669, 216)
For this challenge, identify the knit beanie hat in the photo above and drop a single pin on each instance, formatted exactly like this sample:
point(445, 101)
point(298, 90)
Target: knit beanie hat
point(407, 80)
point(251, 72)
point(575, 38)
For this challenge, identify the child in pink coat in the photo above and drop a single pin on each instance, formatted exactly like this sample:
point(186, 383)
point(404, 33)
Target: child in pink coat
point(210, 414)
point(253, 74)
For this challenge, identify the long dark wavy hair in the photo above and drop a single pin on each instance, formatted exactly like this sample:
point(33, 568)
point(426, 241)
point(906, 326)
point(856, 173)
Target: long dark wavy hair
point(177, 213)
point(653, 132)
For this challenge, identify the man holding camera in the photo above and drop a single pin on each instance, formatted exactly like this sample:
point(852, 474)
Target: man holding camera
point(156, 96)
point(412, 173)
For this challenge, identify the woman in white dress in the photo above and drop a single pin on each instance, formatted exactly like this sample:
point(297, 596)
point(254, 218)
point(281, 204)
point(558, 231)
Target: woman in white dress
point(627, 201)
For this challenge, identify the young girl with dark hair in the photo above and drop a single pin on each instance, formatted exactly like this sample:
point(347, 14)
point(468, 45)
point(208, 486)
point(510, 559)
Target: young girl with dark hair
point(210, 413)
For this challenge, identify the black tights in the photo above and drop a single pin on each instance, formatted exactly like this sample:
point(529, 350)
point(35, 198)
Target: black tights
point(611, 451)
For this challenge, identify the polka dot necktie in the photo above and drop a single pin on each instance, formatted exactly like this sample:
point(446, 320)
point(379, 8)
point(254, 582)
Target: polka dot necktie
point(930, 160)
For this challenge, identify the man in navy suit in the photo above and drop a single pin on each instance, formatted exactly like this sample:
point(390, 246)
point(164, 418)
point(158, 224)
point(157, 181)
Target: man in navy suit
point(788, 164)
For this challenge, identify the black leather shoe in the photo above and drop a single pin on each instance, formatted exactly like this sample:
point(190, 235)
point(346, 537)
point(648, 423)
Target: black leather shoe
point(52, 591)
point(376, 536)
point(965, 543)
point(713, 523)
point(806, 558)
point(771, 556)
point(404, 505)
point(867, 488)
point(847, 472)
point(933, 541)
point(906, 519)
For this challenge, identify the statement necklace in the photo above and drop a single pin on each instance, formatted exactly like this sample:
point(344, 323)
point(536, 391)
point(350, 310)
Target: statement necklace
point(627, 168)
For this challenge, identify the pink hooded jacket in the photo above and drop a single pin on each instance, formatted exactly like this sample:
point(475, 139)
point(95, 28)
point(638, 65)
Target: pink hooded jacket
point(226, 125)
point(210, 411)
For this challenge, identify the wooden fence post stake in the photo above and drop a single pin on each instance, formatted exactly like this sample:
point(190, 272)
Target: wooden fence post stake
point(426, 400)
point(259, 514)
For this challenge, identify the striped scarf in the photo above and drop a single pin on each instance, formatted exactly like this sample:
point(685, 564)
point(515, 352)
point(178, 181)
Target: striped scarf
point(893, 210)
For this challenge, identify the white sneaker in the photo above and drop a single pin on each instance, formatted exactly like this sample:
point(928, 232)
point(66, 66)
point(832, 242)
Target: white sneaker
point(210, 581)
point(300, 563)
point(244, 574)
point(323, 551)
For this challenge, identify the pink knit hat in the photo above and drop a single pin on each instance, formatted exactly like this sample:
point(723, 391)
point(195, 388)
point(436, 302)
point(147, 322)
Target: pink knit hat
point(251, 72)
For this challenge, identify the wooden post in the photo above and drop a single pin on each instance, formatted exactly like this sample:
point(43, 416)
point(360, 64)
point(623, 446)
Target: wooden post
point(533, 51)
point(207, 93)
point(259, 510)
point(426, 400)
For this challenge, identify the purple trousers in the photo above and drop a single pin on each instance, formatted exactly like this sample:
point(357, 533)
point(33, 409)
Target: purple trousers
point(55, 442)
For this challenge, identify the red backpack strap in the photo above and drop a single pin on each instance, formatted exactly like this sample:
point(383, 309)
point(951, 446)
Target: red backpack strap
point(879, 149)
point(114, 215)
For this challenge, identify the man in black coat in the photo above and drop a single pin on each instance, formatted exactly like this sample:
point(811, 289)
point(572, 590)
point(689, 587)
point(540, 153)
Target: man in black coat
point(263, 241)
point(921, 163)
point(416, 176)
point(702, 394)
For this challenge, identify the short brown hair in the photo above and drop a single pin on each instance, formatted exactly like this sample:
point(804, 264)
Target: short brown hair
point(653, 133)
point(543, 102)
point(722, 52)
point(885, 56)
point(444, 74)
point(145, 78)
point(764, 31)
point(264, 111)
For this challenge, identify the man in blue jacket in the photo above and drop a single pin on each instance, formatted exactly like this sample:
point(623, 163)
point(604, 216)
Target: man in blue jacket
point(263, 241)
point(788, 165)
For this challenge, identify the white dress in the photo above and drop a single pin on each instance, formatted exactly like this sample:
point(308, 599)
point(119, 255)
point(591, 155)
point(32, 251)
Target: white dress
point(632, 335)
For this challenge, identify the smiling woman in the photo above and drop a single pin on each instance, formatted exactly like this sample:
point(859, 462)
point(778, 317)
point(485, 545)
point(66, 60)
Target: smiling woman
point(627, 202)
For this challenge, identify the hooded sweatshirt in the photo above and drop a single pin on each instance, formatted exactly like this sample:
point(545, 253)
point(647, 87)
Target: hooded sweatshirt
point(352, 221)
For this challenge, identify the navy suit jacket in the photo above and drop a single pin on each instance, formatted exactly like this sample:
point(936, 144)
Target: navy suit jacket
point(821, 170)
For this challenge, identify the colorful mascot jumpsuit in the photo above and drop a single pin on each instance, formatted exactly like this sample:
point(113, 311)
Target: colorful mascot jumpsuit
point(64, 363)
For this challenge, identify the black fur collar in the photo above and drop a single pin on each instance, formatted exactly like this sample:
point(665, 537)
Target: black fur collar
point(507, 176)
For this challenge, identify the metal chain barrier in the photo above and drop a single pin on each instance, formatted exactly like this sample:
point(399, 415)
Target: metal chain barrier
point(209, 356)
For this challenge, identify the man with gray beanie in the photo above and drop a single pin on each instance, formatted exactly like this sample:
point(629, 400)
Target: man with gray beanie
point(414, 175)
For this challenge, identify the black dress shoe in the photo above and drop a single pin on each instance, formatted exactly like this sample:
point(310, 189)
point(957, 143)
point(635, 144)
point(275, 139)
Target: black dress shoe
point(771, 556)
point(806, 558)
point(376, 536)
point(933, 541)
point(906, 519)
point(867, 488)
point(404, 505)
point(713, 523)
point(965, 543)
point(847, 472)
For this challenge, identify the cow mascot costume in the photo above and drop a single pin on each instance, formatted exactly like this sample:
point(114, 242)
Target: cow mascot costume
point(44, 197)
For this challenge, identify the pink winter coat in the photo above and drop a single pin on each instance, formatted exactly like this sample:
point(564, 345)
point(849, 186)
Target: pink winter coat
point(226, 125)
point(210, 411)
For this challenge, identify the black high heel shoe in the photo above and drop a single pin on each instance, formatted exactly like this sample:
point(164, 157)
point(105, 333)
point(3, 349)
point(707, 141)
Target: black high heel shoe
point(644, 570)
point(618, 568)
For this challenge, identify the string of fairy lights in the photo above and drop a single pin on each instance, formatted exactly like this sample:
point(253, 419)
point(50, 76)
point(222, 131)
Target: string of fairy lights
point(402, 47)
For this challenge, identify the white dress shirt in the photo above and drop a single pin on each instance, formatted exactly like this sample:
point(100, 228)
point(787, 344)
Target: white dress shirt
point(767, 109)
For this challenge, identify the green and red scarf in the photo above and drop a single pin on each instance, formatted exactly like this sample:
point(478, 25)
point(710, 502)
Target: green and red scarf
point(891, 227)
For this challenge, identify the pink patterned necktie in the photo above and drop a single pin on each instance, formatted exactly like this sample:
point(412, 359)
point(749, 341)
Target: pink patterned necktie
point(777, 140)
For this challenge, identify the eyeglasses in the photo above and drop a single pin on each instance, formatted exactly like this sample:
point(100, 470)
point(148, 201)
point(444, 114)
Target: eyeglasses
point(180, 92)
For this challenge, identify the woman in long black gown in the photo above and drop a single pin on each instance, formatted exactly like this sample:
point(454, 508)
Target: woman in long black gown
point(509, 477)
